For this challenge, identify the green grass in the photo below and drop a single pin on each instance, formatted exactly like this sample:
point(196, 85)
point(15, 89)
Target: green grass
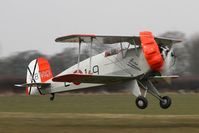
point(97, 113)
point(115, 104)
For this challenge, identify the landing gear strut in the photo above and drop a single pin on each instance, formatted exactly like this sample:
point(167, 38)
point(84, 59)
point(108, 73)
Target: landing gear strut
point(141, 102)
point(52, 97)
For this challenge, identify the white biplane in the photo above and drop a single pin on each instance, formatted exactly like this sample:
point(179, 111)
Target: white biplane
point(136, 66)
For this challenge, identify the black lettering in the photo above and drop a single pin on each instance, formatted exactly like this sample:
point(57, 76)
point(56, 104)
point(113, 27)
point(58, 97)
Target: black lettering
point(96, 69)
point(66, 85)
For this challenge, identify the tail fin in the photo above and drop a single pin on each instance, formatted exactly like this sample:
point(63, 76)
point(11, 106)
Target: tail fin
point(38, 71)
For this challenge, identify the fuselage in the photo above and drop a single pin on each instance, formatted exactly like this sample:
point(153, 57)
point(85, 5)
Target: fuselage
point(128, 62)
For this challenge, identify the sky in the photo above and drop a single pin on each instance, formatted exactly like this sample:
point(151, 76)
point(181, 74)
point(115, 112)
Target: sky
point(34, 24)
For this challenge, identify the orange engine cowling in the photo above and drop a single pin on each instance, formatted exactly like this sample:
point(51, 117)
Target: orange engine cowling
point(151, 51)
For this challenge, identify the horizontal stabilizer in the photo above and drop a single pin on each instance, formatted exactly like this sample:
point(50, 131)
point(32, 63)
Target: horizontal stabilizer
point(40, 85)
point(81, 78)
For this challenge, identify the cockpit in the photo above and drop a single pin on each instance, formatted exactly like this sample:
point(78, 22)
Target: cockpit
point(111, 52)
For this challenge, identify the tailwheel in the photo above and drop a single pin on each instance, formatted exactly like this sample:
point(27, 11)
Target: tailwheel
point(141, 102)
point(52, 97)
point(166, 103)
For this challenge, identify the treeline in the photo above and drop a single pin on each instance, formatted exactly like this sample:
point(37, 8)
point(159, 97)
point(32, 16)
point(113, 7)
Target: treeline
point(13, 68)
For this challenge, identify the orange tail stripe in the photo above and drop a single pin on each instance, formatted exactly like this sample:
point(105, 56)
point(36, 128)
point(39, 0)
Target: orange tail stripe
point(44, 70)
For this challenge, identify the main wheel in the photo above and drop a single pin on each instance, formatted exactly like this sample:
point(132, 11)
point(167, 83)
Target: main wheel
point(166, 103)
point(141, 102)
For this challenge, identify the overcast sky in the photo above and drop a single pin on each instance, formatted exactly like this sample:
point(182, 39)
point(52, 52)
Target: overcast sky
point(34, 24)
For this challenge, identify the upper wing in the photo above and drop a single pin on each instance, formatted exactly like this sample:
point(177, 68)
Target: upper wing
point(166, 41)
point(86, 38)
point(101, 79)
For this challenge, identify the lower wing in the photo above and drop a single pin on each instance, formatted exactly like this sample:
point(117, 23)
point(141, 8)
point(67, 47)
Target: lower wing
point(157, 79)
point(107, 79)
point(102, 79)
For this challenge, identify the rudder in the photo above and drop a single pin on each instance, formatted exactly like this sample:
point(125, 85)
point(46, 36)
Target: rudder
point(38, 71)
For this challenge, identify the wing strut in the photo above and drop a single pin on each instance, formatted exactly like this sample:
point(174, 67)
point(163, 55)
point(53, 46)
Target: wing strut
point(122, 49)
point(90, 56)
point(136, 50)
point(79, 55)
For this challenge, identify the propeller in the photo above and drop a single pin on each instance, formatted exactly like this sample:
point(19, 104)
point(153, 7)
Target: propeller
point(169, 62)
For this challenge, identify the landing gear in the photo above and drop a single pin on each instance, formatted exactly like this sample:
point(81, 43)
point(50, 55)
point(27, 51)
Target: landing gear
point(141, 102)
point(52, 97)
point(165, 102)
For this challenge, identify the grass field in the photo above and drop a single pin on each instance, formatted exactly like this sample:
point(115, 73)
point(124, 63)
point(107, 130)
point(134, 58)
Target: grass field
point(115, 113)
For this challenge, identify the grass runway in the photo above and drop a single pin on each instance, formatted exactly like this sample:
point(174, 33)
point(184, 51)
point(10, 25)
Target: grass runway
point(115, 113)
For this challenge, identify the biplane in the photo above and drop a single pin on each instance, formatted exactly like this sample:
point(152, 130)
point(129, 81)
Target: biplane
point(138, 62)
